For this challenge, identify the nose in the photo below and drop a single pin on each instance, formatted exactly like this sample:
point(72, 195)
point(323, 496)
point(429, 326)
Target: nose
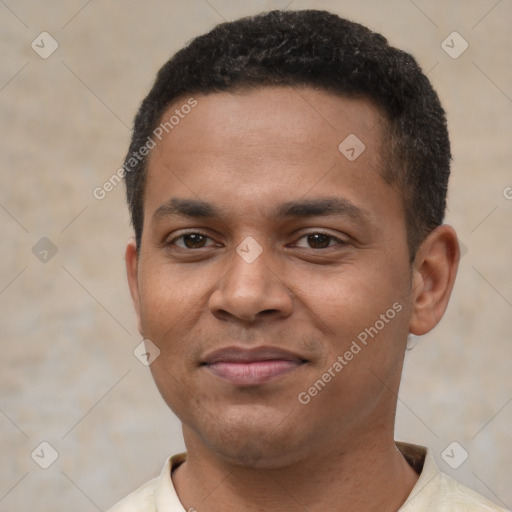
point(248, 291)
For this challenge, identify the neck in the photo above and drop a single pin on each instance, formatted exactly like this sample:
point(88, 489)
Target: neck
point(371, 475)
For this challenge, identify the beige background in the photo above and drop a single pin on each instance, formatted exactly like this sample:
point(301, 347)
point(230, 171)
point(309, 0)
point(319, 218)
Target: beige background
point(68, 375)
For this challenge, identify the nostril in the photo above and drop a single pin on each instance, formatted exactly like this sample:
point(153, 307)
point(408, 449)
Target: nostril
point(267, 312)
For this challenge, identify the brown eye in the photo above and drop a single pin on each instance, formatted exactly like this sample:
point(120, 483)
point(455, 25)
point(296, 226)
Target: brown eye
point(319, 240)
point(194, 240)
point(191, 241)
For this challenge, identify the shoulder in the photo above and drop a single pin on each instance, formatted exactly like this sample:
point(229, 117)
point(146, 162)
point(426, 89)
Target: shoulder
point(456, 496)
point(437, 491)
point(158, 493)
point(141, 500)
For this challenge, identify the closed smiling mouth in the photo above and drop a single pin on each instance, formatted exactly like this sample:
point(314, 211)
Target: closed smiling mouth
point(251, 367)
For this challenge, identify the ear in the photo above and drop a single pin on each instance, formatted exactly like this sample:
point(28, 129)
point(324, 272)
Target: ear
point(131, 259)
point(434, 271)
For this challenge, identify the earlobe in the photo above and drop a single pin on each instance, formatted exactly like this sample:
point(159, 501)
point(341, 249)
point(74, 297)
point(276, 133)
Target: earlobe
point(131, 260)
point(434, 271)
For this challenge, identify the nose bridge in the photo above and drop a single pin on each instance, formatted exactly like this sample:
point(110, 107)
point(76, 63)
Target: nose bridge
point(249, 270)
point(250, 285)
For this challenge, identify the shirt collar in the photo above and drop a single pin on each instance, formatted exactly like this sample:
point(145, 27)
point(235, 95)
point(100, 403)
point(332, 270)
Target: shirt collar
point(418, 457)
point(423, 462)
point(166, 497)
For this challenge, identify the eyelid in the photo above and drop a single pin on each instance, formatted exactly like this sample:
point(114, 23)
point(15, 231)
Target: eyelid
point(172, 241)
point(340, 241)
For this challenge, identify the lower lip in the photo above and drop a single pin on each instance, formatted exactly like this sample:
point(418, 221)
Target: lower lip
point(253, 373)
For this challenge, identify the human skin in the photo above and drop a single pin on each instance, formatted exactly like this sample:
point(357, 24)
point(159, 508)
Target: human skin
point(255, 446)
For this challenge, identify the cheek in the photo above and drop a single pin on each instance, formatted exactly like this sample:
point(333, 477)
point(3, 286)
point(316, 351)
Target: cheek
point(351, 296)
point(172, 302)
point(166, 290)
point(364, 316)
point(165, 303)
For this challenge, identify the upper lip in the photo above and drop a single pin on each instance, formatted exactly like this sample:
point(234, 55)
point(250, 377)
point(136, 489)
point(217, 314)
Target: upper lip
point(243, 355)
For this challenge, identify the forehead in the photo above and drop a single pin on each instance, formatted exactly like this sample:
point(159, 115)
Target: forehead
point(267, 144)
point(256, 115)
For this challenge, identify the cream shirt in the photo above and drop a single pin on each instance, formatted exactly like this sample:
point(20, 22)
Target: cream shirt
point(434, 491)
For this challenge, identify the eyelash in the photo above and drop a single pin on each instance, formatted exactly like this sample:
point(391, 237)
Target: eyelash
point(328, 235)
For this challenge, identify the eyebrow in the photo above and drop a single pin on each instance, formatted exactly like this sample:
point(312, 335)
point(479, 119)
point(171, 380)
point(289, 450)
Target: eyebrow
point(299, 208)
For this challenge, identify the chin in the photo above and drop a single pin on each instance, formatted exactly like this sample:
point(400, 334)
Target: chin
point(253, 442)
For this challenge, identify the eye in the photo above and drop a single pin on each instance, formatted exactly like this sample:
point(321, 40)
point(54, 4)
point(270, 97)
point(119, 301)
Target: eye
point(319, 240)
point(192, 240)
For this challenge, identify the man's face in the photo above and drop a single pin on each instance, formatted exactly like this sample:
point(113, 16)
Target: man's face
point(259, 233)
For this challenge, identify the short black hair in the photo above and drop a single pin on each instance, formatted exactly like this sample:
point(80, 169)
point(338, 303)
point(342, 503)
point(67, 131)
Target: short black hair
point(319, 49)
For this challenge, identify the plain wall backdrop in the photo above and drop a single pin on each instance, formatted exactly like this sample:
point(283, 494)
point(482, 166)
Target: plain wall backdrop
point(68, 374)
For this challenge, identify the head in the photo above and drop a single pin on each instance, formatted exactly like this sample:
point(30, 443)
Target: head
point(292, 197)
